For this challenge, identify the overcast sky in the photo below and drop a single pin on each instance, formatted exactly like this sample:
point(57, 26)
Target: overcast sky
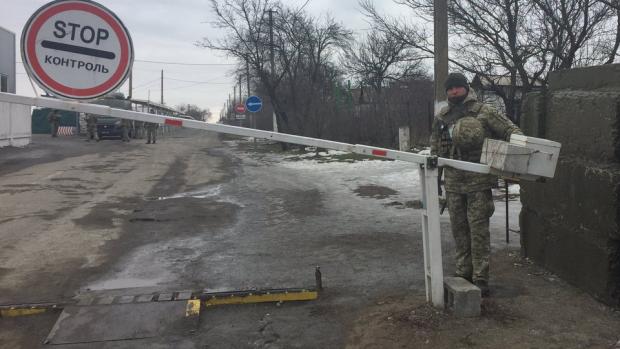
point(165, 31)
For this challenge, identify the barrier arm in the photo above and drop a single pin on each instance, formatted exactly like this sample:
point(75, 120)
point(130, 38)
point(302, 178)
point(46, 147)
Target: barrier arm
point(431, 235)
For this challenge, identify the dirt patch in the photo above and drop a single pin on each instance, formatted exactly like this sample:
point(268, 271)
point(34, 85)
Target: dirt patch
point(375, 191)
point(299, 203)
point(528, 308)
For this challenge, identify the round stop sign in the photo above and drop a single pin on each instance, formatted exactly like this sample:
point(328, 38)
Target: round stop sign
point(76, 49)
point(240, 108)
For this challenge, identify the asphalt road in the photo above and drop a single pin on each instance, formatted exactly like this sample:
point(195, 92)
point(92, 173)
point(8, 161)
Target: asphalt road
point(195, 212)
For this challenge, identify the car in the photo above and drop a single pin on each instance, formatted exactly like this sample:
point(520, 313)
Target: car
point(109, 127)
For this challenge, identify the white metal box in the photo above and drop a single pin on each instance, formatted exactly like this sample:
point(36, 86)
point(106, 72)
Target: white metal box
point(524, 157)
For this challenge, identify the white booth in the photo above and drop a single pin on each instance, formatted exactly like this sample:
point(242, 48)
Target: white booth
point(15, 120)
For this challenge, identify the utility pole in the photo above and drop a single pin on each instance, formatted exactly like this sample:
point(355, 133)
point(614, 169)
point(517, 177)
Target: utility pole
point(441, 50)
point(240, 97)
point(273, 65)
point(431, 239)
point(162, 86)
point(130, 84)
point(247, 75)
point(271, 55)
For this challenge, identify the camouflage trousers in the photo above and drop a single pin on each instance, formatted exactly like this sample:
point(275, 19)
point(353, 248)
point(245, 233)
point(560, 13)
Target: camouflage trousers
point(92, 132)
point(469, 217)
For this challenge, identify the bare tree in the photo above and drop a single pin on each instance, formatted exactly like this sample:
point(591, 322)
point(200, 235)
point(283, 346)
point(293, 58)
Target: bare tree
point(381, 58)
point(578, 32)
point(247, 38)
point(519, 39)
point(302, 48)
point(309, 72)
point(194, 111)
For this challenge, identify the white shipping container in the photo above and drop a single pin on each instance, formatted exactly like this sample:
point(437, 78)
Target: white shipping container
point(15, 125)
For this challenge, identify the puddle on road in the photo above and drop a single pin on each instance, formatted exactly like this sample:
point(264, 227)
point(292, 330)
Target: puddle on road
point(200, 194)
point(218, 192)
point(151, 265)
point(124, 283)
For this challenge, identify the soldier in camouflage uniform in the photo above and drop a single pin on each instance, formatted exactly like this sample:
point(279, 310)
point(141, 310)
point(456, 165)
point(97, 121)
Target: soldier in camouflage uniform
point(54, 119)
point(151, 130)
point(125, 127)
point(458, 132)
point(91, 127)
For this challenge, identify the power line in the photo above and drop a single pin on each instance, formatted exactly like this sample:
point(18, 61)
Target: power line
point(199, 82)
point(196, 83)
point(146, 84)
point(181, 63)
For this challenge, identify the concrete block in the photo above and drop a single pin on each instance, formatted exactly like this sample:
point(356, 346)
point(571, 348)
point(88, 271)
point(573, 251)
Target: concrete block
point(574, 256)
point(582, 194)
point(585, 122)
point(461, 297)
point(590, 78)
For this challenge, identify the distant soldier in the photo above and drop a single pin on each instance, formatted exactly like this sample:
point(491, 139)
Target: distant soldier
point(125, 126)
point(91, 127)
point(138, 129)
point(151, 130)
point(54, 119)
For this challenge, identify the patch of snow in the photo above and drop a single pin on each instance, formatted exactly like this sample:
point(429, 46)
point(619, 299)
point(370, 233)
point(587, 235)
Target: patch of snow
point(426, 151)
point(514, 189)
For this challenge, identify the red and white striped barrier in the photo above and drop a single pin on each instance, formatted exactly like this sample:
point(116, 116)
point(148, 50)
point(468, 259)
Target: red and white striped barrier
point(67, 130)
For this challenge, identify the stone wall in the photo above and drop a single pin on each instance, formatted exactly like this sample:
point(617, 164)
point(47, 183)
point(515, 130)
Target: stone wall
point(570, 224)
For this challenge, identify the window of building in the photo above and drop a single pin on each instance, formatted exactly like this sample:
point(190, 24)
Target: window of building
point(4, 83)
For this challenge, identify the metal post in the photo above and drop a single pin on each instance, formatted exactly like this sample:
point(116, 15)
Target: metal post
point(273, 65)
point(162, 86)
point(130, 94)
point(431, 234)
point(247, 75)
point(507, 222)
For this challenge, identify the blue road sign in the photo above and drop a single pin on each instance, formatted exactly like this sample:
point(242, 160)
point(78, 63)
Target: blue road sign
point(253, 104)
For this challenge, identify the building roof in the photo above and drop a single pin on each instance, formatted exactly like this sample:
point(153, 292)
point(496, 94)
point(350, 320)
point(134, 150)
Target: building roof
point(498, 80)
point(153, 104)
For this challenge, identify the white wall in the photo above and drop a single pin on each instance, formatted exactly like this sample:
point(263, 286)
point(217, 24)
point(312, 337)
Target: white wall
point(15, 125)
point(7, 57)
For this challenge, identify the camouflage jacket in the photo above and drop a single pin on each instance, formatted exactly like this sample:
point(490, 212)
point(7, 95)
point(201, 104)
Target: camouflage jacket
point(495, 126)
point(53, 116)
point(91, 120)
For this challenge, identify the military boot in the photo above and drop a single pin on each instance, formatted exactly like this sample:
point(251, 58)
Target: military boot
point(483, 286)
